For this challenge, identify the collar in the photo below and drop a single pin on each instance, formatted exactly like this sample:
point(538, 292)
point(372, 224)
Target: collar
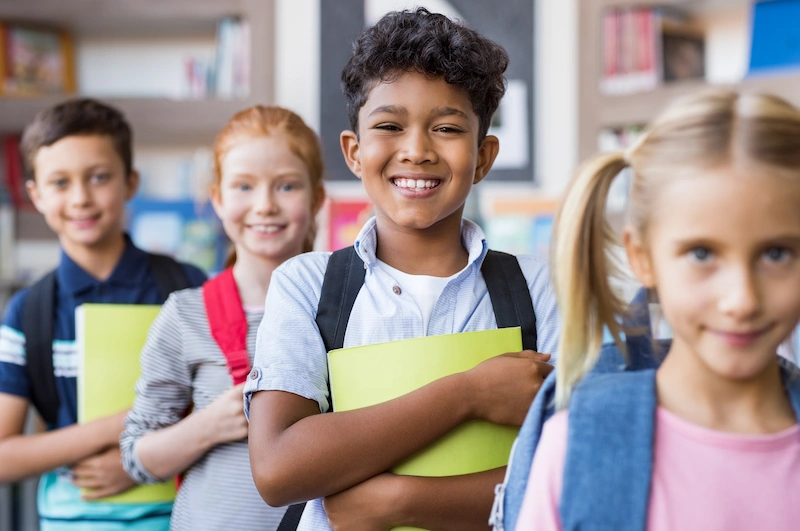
point(131, 270)
point(472, 238)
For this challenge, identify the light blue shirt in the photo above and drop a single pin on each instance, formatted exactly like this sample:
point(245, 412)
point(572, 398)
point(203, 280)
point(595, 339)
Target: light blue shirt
point(290, 354)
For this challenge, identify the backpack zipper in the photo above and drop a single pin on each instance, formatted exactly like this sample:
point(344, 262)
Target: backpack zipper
point(496, 515)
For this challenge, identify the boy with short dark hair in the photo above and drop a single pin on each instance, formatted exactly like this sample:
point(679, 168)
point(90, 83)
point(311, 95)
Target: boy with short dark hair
point(80, 175)
point(421, 91)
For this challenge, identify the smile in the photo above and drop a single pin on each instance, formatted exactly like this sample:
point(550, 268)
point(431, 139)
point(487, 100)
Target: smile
point(416, 184)
point(266, 229)
point(739, 339)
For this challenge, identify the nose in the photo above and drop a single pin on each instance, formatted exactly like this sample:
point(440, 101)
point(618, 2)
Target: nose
point(418, 148)
point(80, 194)
point(267, 202)
point(741, 297)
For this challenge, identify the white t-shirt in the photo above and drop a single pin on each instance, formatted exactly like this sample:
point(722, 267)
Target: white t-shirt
point(424, 289)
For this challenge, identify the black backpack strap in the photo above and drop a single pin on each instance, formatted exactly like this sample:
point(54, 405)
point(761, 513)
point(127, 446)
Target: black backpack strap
point(38, 316)
point(344, 277)
point(343, 280)
point(291, 518)
point(168, 274)
point(510, 297)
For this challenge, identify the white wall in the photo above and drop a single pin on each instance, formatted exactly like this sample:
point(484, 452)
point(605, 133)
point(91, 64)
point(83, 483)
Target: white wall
point(297, 65)
point(556, 96)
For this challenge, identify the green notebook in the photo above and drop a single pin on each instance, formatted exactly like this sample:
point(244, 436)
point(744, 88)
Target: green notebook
point(371, 374)
point(110, 338)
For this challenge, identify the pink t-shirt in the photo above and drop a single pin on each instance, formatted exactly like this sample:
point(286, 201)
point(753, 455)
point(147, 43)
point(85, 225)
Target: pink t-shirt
point(702, 479)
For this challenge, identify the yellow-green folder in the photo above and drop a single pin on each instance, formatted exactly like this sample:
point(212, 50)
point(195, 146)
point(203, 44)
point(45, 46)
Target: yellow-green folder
point(371, 374)
point(110, 338)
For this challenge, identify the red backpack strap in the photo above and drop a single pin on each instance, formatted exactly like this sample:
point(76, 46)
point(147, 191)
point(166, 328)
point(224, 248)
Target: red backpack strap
point(228, 322)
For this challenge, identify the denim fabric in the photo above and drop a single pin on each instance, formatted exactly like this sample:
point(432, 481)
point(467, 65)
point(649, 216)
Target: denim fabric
point(643, 353)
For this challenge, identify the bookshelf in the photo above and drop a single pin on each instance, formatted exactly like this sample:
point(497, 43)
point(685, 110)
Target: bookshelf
point(598, 110)
point(154, 120)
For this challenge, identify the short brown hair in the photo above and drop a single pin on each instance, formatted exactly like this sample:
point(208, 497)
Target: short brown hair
point(77, 117)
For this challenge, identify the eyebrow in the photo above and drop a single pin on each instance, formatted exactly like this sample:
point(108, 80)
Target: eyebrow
point(391, 109)
point(438, 112)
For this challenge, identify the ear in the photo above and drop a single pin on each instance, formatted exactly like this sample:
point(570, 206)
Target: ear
point(487, 152)
point(216, 199)
point(639, 257)
point(351, 151)
point(132, 184)
point(33, 193)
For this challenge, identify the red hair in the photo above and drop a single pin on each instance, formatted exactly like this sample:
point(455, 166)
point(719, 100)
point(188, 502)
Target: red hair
point(260, 121)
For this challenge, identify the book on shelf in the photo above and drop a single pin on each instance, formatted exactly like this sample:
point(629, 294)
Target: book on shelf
point(35, 60)
point(110, 338)
point(13, 174)
point(644, 47)
point(227, 74)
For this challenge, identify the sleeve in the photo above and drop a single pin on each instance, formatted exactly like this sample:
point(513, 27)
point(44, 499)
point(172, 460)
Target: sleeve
point(13, 358)
point(539, 511)
point(163, 391)
point(290, 354)
point(194, 275)
point(548, 320)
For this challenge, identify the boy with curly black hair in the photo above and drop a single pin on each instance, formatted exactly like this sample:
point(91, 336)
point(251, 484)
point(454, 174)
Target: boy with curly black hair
point(421, 90)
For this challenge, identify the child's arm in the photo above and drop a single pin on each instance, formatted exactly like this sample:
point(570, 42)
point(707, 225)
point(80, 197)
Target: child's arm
point(22, 456)
point(457, 503)
point(297, 454)
point(171, 450)
point(160, 439)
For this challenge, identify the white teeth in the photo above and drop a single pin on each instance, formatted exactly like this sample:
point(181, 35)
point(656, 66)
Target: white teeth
point(415, 184)
point(266, 228)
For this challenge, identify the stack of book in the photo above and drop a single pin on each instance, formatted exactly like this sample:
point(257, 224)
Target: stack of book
point(644, 47)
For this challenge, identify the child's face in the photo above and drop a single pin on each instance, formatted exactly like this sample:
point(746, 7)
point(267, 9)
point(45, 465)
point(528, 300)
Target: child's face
point(81, 189)
point(724, 254)
point(417, 151)
point(264, 199)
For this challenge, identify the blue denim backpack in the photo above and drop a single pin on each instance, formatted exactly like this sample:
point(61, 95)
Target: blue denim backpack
point(610, 443)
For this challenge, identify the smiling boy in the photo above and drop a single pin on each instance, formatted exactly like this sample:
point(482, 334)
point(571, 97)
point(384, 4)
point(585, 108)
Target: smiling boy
point(78, 156)
point(421, 91)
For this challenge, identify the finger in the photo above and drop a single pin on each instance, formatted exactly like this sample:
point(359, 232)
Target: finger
point(83, 469)
point(544, 368)
point(98, 493)
point(537, 356)
point(88, 482)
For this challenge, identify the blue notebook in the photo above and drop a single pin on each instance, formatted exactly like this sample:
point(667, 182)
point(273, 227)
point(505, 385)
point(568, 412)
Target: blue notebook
point(776, 36)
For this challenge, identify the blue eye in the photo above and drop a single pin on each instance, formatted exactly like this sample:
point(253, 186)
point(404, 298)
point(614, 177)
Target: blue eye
point(287, 187)
point(100, 177)
point(60, 183)
point(243, 187)
point(777, 254)
point(701, 254)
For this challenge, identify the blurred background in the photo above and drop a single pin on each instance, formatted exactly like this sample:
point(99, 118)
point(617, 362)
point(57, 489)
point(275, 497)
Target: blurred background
point(585, 75)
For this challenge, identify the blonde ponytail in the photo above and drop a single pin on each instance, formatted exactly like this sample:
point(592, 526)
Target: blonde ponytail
point(582, 271)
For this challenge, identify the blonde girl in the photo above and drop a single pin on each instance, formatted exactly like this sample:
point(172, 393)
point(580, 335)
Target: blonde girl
point(267, 190)
point(714, 229)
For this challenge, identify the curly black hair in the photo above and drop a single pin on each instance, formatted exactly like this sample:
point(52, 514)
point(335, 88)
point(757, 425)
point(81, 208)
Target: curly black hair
point(430, 44)
point(77, 117)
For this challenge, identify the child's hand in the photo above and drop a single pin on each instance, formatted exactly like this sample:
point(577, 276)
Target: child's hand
point(102, 474)
point(225, 417)
point(501, 389)
point(369, 506)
